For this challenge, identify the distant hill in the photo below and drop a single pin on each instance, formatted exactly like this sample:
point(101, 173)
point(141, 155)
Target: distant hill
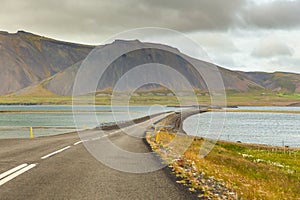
point(27, 59)
point(277, 81)
point(35, 65)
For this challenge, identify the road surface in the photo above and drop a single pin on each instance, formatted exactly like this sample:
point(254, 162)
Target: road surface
point(60, 167)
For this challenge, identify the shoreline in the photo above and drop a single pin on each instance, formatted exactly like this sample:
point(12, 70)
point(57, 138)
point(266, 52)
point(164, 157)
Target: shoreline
point(229, 104)
point(55, 111)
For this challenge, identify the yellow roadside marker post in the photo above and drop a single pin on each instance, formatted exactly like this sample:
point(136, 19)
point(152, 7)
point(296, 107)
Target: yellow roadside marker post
point(157, 136)
point(31, 132)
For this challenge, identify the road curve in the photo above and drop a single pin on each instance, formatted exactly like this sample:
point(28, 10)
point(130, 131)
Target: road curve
point(60, 167)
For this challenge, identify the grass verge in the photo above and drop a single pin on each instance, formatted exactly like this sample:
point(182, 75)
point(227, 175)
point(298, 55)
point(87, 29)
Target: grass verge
point(234, 170)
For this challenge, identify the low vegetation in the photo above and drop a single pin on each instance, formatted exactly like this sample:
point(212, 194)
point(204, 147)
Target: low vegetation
point(253, 98)
point(231, 170)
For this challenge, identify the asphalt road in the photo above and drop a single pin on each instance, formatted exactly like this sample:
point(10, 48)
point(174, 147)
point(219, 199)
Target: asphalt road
point(61, 167)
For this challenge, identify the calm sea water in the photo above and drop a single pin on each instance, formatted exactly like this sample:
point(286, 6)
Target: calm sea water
point(249, 127)
point(15, 124)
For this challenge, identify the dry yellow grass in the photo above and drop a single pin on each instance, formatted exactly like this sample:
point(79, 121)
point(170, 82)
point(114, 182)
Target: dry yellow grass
point(252, 171)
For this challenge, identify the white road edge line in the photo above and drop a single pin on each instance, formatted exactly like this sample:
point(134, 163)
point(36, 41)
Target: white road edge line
point(4, 174)
point(14, 175)
point(55, 152)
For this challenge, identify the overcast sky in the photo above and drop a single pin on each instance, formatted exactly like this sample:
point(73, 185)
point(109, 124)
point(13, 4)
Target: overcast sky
point(248, 35)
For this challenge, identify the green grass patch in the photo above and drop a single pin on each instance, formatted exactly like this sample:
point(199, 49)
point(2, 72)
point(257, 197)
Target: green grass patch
point(163, 97)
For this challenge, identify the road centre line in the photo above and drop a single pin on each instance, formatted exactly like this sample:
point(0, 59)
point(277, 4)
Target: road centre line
point(81, 141)
point(55, 152)
point(124, 129)
point(17, 173)
point(112, 133)
point(98, 138)
point(76, 143)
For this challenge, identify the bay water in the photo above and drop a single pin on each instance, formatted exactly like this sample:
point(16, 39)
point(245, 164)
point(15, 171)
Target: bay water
point(279, 129)
point(15, 121)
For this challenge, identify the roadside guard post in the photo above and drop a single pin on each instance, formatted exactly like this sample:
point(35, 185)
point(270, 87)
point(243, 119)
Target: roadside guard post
point(31, 132)
point(157, 135)
point(158, 129)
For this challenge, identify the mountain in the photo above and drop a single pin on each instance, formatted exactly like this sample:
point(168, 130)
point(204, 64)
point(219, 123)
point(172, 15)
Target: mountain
point(277, 81)
point(27, 59)
point(62, 82)
point(35, 65)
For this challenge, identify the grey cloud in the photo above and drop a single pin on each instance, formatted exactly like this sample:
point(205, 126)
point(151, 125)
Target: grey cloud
point(217, 42)
point(274, 14)
point(272, 46)
point(223, 60)
point(285, 64)
point(198, 14)
point(83, 19)
point(113, 16)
